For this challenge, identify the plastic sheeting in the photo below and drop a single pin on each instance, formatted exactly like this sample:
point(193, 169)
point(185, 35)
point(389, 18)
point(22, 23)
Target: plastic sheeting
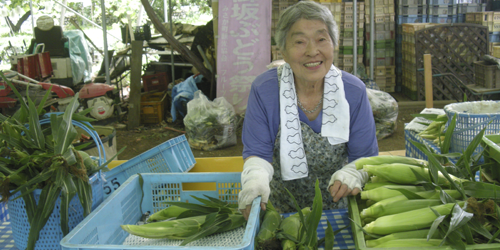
point(81, 61)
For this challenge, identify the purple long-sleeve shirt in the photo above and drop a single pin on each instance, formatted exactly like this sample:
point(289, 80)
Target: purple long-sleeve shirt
point(262, 118)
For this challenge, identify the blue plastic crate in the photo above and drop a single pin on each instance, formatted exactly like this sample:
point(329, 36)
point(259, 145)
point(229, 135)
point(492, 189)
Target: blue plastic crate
point(172, 156)
point(414, 152)
point(4, 213)
point(442, 19)
point(101, 229)
point(411, 19)
point(494, 37)
point(472, 117)
point(51, 233)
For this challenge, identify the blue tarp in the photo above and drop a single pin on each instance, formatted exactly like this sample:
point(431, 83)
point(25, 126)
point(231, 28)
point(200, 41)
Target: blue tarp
point(182, 93)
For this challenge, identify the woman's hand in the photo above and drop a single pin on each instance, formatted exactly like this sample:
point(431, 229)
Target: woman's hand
point(247, 210)
point(339, 190)
point(347, 181)
point(255, 178)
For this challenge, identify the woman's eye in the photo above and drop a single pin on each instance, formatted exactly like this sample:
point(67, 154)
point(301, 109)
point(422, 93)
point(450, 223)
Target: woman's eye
point(322, 39)
point(299, 42)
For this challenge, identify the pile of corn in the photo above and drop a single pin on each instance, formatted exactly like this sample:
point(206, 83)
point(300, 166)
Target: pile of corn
point(390, 218)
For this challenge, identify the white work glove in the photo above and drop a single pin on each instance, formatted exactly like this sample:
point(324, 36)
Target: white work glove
point(350, 176)
point(255, 178)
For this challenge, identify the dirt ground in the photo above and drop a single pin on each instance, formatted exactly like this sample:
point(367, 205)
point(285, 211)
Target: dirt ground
point(146, 137)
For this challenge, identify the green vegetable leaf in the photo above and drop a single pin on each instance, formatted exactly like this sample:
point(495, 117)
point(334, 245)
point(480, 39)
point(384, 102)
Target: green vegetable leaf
point(213, 223)
point(44, 209)
point(314, 217)
point(68, 191)
point(445, 147)
point(21, 114)
point(435, 224)
point(329, 236)
point(459, 218)
point(41, 105)
point(35, 130)
point(84, 191)
point(481, 190)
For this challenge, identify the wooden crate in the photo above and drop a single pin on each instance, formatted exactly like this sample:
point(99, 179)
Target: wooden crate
point(153, 107)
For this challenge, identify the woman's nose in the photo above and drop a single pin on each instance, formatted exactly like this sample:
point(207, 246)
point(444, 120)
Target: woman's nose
point(311, 49)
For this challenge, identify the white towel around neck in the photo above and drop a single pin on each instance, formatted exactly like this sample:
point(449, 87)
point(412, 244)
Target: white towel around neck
point(335, 121)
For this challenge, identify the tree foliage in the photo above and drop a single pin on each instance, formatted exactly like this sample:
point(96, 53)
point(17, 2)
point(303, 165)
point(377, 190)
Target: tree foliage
point(116, 11)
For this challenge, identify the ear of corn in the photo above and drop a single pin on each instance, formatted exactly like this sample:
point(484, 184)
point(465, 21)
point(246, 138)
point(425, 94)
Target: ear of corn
point(269, 226)
point(378, 208)
point(292, 227)
point(385, 192)
point(410, 243)
point(404, 173)
point(417, 234)
point(167, 213)
point(372, 185)
point(395, 207)
point(173, 229)
point(388, 159)
point(407, 221)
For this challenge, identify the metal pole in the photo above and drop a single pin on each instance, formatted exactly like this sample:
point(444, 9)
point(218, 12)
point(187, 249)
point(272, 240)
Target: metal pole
point(105, 41)
point(172, 32)
point(165, 11)
point(372, 37)
point(86, 19)
point(355, 39)
point(32, 18)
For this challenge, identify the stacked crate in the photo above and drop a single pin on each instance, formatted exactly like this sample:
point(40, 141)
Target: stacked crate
point(490, 19)
point(467, 6)
point(384, 44)
point(409, 61)
point(407, 11)
point(443, 11)
point(345, 59)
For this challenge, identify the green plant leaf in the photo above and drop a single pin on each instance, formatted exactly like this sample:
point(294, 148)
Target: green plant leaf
point(84, 192)
point(445, 147)
point(476, 226)
point(35, 130)
point(29, 201)
point(41, 105)
point(22, 114)
point(43, 176)
point(213, 223)
point(459, 218)
point(435, 224)
point(314, 217)
point(66, 133)
point(329, 236)
point(68, 191)
point(45, 207)
point(81, 118)
point(481, 190)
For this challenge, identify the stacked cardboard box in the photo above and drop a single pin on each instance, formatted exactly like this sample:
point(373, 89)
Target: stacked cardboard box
point(384, 45)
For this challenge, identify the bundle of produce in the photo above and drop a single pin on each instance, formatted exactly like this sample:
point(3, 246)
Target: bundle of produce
point(432, 203)
point(435, 130)
point(190, 222)
point(35, 158)
point(298, 231)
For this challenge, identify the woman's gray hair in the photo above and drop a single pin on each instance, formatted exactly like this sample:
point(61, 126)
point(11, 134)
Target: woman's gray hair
point(308, 10)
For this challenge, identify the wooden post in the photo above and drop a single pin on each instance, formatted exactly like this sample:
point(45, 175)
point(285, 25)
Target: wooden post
point(215, 11)
point(428, 80)
point(134, 108)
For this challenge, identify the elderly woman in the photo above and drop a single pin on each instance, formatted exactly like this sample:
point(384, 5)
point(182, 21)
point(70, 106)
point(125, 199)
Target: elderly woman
point(305, 120)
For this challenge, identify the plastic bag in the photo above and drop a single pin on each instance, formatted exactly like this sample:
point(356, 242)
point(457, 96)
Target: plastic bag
point(385, 112)
point(210, 125)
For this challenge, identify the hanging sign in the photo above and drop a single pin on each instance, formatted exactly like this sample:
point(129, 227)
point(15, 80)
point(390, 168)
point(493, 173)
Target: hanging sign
point(243, 48)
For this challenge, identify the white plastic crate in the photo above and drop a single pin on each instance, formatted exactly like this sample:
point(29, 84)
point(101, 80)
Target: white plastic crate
point(101, 229)
point(472, 117)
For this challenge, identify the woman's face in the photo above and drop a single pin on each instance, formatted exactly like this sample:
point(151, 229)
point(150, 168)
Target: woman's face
point(309, 51)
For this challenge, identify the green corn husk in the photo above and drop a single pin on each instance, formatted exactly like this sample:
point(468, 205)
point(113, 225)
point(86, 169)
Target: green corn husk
point(408, 221)
point(179, 229)
point(292, 226)
point(388, 159)
point(399, 206)
point(170, 212)
point(385, 192)
point(417, 234)
point(269, 227)
point(377, 209)
point(373, 185)
point(404, 173)
point(410, 243)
